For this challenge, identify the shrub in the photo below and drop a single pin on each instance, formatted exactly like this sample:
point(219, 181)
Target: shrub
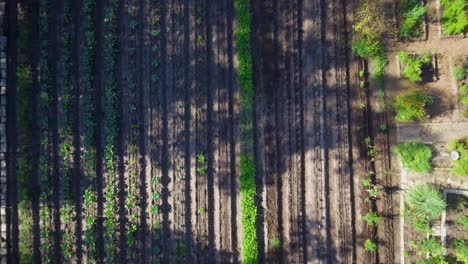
point(411, 18)
point(425, 201)
point(461, 250)
point(421, 226)
point(415, 156)
point(411, 105)
point(460, 166)
point(413, 64)
point(454, 19)
point(369, 245)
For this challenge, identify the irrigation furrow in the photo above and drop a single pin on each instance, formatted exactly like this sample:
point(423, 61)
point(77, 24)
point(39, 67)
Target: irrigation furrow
point(312, 78)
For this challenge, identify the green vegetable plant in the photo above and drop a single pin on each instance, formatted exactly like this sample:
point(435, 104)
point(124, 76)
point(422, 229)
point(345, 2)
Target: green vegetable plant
point(430, 247)
point(370, 245)
point(460, 166)
point(411, 105)
point(414, 64)
point(415, 156)
point(454, 19)
point(463, 221)
point(412, 14)
point(461, 250)
point(372, 218)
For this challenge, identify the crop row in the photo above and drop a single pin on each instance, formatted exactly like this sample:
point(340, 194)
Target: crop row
point(247, 165)
point(132, 199)
point(110, 157)
point(154, 24)
point(65, 98)
point(89, 124)
point(368, 44)
point(24, 169)
point(44, 158)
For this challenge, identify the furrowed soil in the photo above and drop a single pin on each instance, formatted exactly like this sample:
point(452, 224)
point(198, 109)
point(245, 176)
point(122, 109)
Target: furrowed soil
point(177, 145)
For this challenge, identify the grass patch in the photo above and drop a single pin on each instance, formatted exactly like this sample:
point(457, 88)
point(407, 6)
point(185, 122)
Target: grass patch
point(460, 166)
point(411, 18)
point(411, 105)
point(454, 19)
point(415, 156)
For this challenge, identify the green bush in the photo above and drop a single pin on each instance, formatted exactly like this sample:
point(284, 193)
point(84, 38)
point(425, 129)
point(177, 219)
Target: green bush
point(460, 166)
point(411, 18)
point(413, 64)
point(461, 250)
point(454, 19)
point(425, 202)
point(415, 156)
point(411, 105)
point(368, 48)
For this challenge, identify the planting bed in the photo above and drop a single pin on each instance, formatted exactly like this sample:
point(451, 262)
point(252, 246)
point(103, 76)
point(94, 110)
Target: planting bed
point(199, 131)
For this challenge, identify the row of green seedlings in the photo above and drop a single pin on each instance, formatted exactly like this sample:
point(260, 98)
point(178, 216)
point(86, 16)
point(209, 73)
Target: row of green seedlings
point(374, 191)
point(133, 170)
point(154, 23)
point(110, 157)
point(247, 164)
point(44, 157)
point(89, 139)
point(66, 209)
point(24, 169)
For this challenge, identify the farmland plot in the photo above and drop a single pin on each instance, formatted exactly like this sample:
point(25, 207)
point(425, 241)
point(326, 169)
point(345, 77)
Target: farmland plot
point(189, 131)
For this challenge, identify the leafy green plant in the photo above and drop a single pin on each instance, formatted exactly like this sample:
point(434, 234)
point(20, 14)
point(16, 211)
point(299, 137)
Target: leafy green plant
point(454, 19)
point(422, 226)
point(430, 246)
point(461, 71)
point(412, 13)
point(425, 201)
point(370, 246)
point(368, 28)
point(275, 243)
point(372, 218)
point(411, 105)
point(463, 221)
point(461, 249)
point(464, 94)
point(413, 65)
point(415, 156)
point(460, 166)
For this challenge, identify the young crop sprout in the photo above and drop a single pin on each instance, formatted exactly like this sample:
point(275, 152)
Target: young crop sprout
point(372, 218)
point(370, 246)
